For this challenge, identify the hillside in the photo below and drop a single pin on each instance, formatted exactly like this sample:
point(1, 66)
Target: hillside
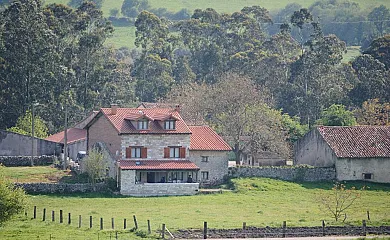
point(124, 36)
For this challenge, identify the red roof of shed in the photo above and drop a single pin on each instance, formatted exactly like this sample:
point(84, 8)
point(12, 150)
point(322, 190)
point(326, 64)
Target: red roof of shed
point(358, 141)
point(74, 135)
point(204, 138)
point(158, 165)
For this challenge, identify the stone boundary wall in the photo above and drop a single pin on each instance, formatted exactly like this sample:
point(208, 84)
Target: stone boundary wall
point(62, 187)
point(22, 161)
point(293, 173)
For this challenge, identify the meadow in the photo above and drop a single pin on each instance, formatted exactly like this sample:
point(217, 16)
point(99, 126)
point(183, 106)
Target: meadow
point(257, 201)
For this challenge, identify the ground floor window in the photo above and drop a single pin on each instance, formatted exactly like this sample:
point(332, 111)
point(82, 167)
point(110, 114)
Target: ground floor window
point(205, 175)
point(367, 175)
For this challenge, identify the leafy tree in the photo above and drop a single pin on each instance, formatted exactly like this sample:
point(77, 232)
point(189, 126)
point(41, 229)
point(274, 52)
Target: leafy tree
point(154, 78)
point(373, 112)
point(78, 3)
point(373, 79)
point(379, 16)
point(293, 127)
point(27, 44)
point(131, 8)
point(380, 50)
point(337, 115)
point(95, 165)
point(24, 126)
point(12, 200)
point(338, 201)
point(235, 109)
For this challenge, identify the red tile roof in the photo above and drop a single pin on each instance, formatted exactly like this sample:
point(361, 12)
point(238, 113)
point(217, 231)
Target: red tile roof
point(204, 138)
point(74, 135)
point(358, 141)
point(122, 120)
point(157, 165)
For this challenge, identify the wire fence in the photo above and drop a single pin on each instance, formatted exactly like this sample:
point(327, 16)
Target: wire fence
point(126, 228)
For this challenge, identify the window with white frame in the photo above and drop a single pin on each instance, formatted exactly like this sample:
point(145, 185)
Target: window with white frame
point(170, 124)
point(135, 152)
point(174, 152)
point(142, 124)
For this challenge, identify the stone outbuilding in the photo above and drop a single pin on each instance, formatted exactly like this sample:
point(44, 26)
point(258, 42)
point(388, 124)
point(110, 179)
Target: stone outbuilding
point(357, 153)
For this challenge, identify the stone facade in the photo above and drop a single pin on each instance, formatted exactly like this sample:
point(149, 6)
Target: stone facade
point(61, 188)
point(128, 186)
point(155, 143)
point(216, 165)
point(19, 161)
point(357, 168)
point(307, 174)
point(313, 150)
point(103, 131)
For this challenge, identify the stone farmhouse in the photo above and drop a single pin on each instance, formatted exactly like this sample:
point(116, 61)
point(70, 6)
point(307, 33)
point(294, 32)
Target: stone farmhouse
point(357, 153)
point(154, 152)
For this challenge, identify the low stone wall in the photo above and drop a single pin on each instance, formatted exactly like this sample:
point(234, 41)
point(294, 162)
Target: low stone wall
point(293, 173)
point(61, 187)
point(161, 189)
point(21, 161)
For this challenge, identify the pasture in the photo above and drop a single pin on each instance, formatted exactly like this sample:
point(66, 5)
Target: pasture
point(257, 201)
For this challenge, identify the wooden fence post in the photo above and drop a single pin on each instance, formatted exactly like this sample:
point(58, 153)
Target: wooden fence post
point(44, 214)
point(244, 226)
point(284, 229)
point(35, 212)
point(61, 217)
point(69, 219)
point(163, 231)
point(124, 223)
point(79, 221)
point(90, 221)
point(53, 216)
point(364, 228)
point(323, 228)
point(368, 215)
point(112, 223)
point(204, 230)
point(135, 222)
point(149, 232)
point(101, 223)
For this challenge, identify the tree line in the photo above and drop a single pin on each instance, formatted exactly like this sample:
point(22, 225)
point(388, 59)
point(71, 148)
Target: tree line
point(225, 69)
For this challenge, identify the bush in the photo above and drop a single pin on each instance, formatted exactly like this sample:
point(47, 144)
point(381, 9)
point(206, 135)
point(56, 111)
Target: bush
point(12, 199)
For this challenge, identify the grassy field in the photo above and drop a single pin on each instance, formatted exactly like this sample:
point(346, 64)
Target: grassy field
point(34, 174)
point(259, 202)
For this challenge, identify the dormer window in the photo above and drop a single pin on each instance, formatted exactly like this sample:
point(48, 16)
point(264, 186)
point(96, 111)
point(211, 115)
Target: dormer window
point(142, 124)
point(170, 124)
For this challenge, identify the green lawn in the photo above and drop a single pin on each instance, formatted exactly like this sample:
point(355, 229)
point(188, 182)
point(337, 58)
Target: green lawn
point(259, 202)
point(34, 174)
point(352, 52)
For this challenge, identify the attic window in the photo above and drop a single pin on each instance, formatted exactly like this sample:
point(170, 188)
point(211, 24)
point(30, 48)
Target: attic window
point(170, 124)
point(142, 124)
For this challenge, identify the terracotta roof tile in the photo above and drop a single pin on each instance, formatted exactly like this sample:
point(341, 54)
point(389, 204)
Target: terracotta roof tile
point(157, 165)
point(358, 141)
point(122, 120)
point(74, 135)
point(205, 138)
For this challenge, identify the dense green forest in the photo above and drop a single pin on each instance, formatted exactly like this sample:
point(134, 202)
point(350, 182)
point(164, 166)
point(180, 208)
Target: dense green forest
point(284, 70)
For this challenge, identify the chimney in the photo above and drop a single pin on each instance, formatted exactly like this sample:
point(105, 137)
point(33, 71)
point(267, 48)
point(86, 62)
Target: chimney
point(114, 108)
point(177, 108)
